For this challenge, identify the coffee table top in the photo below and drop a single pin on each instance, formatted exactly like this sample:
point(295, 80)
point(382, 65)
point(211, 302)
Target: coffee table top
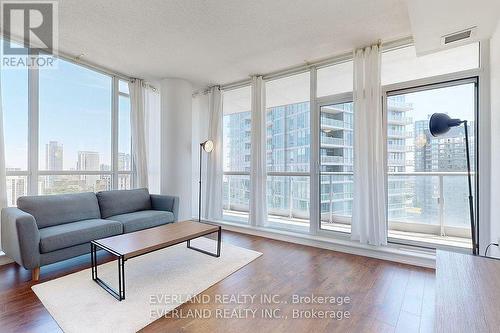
point(144, 241)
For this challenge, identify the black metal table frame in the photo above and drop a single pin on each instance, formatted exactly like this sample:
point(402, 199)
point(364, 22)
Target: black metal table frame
point(120, 294)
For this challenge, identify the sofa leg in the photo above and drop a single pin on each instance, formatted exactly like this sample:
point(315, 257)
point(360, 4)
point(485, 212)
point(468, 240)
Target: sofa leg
point(35, 274)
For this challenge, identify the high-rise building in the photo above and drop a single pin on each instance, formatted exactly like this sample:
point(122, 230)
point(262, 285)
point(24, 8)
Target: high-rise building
point(288, 150)
point(53, 156)
point(124, 161)
point(89, 161)
point(398, 158)
point(336, 158)
point(16, 187)
point(53, 162)
point(445, 153)
point(237, 146)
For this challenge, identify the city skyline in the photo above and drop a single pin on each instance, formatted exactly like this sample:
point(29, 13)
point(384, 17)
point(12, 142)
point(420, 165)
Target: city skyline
point(288, 150)
point(74, 108)
point(51, 184)
point(85, 160)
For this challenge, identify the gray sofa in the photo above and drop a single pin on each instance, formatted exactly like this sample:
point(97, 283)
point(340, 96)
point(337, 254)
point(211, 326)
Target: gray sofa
point(50, 228)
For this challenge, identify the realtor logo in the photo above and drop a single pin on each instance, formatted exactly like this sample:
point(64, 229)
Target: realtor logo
point(29, 25)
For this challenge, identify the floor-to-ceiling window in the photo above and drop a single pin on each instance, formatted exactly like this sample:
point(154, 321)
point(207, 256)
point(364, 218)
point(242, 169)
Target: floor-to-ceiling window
point(427, 179)
point(236, 153)
point(74, 129)
point(414, 211)
point(15, 116)
point(124, 158)
point(288, 151)
point(427, 193)
point(61, 126)
point(336, 130)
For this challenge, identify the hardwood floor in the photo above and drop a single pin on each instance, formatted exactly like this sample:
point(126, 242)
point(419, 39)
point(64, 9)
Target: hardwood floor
point(383, 296)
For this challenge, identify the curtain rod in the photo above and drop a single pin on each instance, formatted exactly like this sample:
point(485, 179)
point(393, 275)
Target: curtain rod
point(384, 46)
point(74, 59)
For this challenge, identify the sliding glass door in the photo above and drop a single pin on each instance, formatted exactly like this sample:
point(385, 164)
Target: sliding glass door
point(427, 188)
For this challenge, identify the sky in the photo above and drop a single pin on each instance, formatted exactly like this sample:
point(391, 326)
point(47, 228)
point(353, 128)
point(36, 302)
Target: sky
point(74, 109)
point(456, 101)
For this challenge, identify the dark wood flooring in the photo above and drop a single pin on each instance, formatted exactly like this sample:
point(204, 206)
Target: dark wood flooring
point(383, 296)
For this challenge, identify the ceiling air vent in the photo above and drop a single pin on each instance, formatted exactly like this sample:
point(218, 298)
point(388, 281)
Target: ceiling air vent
point(458, 36)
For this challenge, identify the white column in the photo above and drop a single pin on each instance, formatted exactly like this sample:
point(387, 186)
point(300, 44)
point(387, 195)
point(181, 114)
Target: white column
point(176, 141)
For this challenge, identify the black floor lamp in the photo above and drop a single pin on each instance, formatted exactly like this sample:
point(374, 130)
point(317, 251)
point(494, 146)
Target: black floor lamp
point(207, 146)
point(441, 123)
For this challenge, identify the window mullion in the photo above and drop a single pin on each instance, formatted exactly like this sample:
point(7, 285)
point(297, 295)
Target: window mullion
point(314, 177)
point(33, 127)
point(114, 133)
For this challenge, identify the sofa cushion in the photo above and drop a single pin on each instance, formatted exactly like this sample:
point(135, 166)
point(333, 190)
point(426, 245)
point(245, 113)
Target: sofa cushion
point(123, 201)
point(76, 233)
point(143, 219)
point(50, 210)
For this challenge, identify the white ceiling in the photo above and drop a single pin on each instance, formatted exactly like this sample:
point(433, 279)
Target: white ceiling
point(431, 19)
point(220, 41)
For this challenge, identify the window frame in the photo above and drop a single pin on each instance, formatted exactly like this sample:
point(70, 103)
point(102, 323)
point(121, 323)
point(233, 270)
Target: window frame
point(341, 98)
point(238, 172)
point(33, 171)
point(284, 226)
point(436, 82)
point(482, 137)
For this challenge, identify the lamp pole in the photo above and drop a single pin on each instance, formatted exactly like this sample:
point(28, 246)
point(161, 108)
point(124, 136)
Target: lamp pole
point(207, 146)
point(199, 189)
point(440, 123)
point(471, 199)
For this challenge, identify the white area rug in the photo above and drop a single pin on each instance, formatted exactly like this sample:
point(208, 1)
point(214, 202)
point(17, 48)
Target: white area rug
point(78, 304)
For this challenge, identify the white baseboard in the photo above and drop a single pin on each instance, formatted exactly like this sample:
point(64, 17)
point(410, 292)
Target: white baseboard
point(392, 252)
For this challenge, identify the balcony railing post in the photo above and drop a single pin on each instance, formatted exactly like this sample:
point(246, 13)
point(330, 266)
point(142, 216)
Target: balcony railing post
point(229, 192)
point(441, 205)
point(290, 213)
point(330, 206)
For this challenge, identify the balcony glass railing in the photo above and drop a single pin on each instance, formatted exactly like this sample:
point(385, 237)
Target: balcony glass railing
point(325, 121)
point(395, 147)
point(332, 159)
point(398, 119)
point(288, 197)
point(236, 197)
point(328, 140)
point(396, 133)
point(423, 202)
point(429, 198)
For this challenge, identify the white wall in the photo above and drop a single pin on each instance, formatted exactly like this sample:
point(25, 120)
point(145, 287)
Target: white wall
point(176, 142)
point(200, 134)
point(495, 136)
point(153, 128)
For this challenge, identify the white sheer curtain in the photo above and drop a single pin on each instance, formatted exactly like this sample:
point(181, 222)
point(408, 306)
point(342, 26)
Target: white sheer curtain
point(369, 223)
point(258, 176)
point(3, 181)
point(138, 124)
point(213, 195)
point(152, 112)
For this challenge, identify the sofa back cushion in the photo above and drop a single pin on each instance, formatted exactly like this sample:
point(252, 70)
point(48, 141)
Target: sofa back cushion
point(50, 210)
point(123, 201)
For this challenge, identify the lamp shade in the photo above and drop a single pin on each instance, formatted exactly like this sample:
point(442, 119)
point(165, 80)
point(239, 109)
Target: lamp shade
point(440, 123)
point(208, 146)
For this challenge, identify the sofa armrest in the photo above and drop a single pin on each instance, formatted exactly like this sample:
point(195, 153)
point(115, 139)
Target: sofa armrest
point(20, 237)
point(167, 203)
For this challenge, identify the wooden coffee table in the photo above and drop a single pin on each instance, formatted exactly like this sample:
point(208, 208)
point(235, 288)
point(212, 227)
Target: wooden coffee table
point(127, 246)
